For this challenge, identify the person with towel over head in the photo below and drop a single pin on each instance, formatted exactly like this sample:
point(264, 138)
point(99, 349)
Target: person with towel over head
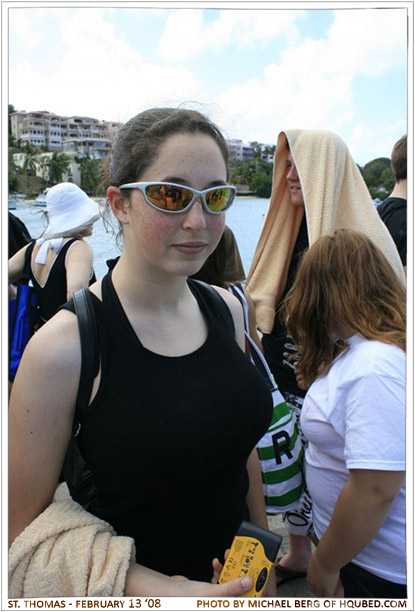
point(59, 262)
point(317, 189)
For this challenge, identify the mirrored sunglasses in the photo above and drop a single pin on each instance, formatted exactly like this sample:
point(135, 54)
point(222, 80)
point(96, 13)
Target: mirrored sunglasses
point(172, 198)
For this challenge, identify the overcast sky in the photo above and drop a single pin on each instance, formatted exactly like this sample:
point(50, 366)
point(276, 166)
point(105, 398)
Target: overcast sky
point(255, 72)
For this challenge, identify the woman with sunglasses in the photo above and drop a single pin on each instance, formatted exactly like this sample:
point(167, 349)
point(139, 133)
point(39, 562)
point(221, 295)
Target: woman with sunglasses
point(176, 408)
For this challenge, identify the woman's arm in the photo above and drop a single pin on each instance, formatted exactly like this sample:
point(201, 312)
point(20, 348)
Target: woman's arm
point(255, 497)
point(143, 581)
point(256, 505)
point(16, 265)
point(360, 511)
point(40, 419)
point(79, 261)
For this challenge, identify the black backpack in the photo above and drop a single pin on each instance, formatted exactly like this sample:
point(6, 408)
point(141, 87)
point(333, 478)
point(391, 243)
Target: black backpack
point(76, 473)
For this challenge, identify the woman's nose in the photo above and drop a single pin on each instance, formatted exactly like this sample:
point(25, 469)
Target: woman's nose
point(195, 219)
point(292, 174)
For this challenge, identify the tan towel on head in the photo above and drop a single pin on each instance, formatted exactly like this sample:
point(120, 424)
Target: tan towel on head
point(68, 552)
point(335, 196)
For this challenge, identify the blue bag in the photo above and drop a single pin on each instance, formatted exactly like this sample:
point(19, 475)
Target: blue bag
point(23, 316)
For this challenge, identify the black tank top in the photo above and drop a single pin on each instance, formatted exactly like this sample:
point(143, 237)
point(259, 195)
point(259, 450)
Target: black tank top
point(278, 347)
point(54, 292)
point(168, 439)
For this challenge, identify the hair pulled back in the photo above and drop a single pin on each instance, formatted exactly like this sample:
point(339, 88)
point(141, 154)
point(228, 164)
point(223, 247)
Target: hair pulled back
point(343, 281)
point(399, 164)
point(138, 142)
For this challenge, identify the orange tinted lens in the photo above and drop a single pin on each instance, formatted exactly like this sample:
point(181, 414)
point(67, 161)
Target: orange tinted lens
point(169, 197)
point(218, 200)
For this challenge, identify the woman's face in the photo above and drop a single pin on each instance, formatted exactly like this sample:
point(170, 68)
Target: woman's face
point(293, 182)
point(178, 244)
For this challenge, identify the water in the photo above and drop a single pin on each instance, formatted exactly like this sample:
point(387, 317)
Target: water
point(245, 218)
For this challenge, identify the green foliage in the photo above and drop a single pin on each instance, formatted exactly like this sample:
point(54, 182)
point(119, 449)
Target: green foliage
point(257, 149)
point(30, 194)
point(12, 182)
point(378, 177)
point(59, 165)
point(257, 174)
point(29, 164)
point(90, 174)
point(262, 184)
point(11, 110)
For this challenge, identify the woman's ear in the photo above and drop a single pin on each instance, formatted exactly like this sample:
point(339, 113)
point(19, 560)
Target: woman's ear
point(118, 203)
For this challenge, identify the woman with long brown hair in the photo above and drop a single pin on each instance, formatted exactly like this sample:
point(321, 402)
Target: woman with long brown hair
point(346, 313)
point(176, 408)
point(317, 189)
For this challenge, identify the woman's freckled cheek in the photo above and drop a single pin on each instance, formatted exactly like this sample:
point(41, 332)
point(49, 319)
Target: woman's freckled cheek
point(157, 230)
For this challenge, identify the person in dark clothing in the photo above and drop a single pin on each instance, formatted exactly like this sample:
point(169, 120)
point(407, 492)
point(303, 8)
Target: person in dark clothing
point(60, 261)
point(19, 235)
point(392, 211)
point(176, 408)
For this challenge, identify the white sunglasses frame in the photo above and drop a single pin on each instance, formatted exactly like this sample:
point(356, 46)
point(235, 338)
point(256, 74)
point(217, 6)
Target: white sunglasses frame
point(196, 195)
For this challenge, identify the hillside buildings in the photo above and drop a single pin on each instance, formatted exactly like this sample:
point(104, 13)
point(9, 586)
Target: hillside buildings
point(80, 136)
point(76, 134)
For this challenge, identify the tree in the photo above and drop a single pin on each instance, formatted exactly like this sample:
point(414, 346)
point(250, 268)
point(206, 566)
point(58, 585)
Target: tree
point(90, 173)
point(29, 164)
point(59, 164)
point(241, 172)
point(378, 177)
point(12, 181)
point(262, 184)
point(43, 163)
point(257, 147)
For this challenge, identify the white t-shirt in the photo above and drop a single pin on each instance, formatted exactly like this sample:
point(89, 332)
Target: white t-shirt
point(354, 418)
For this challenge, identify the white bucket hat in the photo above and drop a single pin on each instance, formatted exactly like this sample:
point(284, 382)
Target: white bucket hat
point(69, 210)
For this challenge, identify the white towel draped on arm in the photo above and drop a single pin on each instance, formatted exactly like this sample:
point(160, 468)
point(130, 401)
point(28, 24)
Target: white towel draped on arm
point(68, 552)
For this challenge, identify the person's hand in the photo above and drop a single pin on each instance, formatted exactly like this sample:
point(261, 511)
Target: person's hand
point(270, 590)
point(323, 582)
point(182, 587)
point(142, 581)
point(217, 567)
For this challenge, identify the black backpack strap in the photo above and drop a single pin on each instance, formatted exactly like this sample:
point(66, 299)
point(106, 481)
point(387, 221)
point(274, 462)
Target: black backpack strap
point(87, 326)
point(221, 306)
point(25, 278)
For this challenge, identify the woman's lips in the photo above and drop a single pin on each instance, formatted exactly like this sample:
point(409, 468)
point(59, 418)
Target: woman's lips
point(190, 248)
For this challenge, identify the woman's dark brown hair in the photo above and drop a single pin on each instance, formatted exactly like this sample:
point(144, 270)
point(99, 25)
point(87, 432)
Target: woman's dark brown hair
point(138, 143)
point(224, 265)
point(343, 282)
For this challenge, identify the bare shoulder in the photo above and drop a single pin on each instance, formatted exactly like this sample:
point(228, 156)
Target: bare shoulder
point(236, 310)
point(59, 335)
point(80, 248)
point(231, 301)
point(51, 362)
